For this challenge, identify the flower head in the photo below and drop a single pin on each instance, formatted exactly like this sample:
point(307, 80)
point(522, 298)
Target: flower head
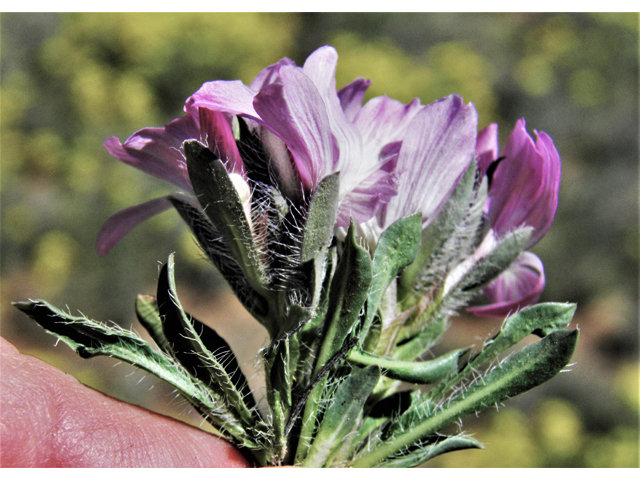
point(393, 159)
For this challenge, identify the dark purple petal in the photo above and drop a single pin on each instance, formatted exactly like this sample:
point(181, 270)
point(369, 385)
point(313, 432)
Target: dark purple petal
point(487, 148)
point(352, 95)
point(231, 96)
point(216, 133)
point(437, 149)
point(118, 225)
point(156, 151)
point(295, 111)
point(517, 287)
point(271, 74)
point(525, 184)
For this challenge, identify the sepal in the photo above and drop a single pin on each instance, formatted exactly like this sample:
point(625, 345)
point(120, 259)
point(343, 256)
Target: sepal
point(218, 252)
point(321, 217)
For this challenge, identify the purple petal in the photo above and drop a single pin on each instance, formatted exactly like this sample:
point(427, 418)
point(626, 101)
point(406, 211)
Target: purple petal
point(281, 164)
point(525, 184)
point(118, 225)
point(437, 149)
point(487, 148)
point(352, 95)
point(156, 151)
point(216, 133)
point(231, 96)
point(517, 287)
point(270, 74)
point(295, 111)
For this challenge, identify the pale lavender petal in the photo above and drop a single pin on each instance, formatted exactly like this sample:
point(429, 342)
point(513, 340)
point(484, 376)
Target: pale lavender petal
point(118, 225)
point(517, 287)
point(352, 95)
point(216, 133)
point(525, 184)
point(363, 201)
point(156, 151)
point(231, 96)
point(270, 74)
point(320, 67)
point(487, 148)
point(383, 121)
point(295, 111)
point(437, 149)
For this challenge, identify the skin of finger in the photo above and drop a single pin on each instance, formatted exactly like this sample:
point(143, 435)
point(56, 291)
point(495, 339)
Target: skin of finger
point(49, 419)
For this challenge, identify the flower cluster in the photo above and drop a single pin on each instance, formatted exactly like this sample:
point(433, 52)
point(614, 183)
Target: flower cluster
point(393, 160)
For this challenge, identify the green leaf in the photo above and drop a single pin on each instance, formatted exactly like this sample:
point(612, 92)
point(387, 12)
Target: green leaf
point(149, 316)
point(532, 366)
point(219, 199)
point(424, 453)
point(216, 249)
point(342, 416)
point(420, 341)
point(321, 217)
point(425, 372)
point(396, 249)
point(89, 338)
point(189, 349)
point(541, 319)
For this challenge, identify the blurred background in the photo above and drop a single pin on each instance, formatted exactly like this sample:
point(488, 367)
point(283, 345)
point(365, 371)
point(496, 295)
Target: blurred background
point(69, 81)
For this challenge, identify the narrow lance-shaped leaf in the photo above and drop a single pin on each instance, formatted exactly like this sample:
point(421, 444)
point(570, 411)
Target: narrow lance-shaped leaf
point(149, 316)
point(220, 201)
point(496, 261)
point(436, 234)
point(347, 295)
point(221, 256)
point(424, 453)
point(189, 349)
point(425, 372)
point(540, 319)
point(533, 365)
point(349, 290)
point(89, 338)
point(342, 416)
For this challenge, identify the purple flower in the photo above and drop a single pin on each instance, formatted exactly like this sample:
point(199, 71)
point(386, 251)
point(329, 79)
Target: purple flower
point(523, 192)
point(393, 159)
point(320, 130)
point(157, 151)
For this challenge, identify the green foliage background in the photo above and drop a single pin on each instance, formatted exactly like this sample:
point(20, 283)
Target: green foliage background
point(69, 81)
